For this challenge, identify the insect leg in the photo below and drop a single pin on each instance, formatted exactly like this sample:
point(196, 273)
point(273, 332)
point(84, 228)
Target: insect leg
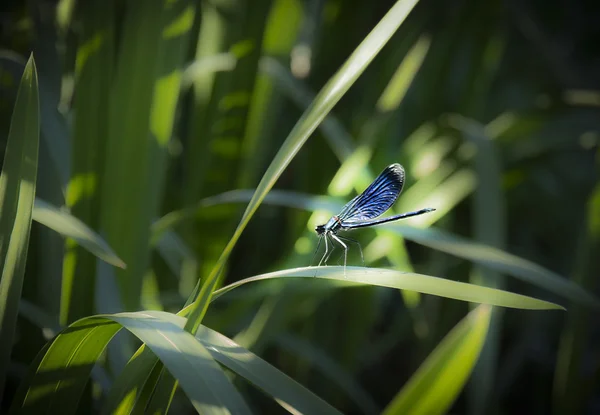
point(326, 250)
point(345, 251)
point(316, 250)
point(332, 249)
point(345, 238)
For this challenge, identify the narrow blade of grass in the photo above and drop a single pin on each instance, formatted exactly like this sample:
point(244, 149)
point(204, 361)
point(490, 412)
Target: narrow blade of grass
point(17, 193)
point(69, 226)
point(61, 375)
point(424, 284)
point(323, 103)
point(287, 392)
point(433, 238)
point(440, 379)
point(498, 260)
point(94, 70)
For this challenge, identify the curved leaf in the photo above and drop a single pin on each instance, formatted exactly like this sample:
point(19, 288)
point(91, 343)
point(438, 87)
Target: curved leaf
point(440, 379)
point(406, 281)
point(331, 93)
point(433, 238)
point(499, 260)
point(61, 375)
point(69, 226)
point(17, 192)
point(285, 390)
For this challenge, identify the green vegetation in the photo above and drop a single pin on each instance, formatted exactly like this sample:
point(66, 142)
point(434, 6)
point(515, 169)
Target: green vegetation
point(135, 132)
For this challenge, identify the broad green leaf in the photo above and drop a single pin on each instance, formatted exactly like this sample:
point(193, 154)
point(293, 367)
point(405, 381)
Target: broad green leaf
point(286, 391)
point(440, 379)
point(50, 327)
point(331, 93)
point(405, 281)
point(17, 193)
point(69, 226)
point(123, 393)
point(61, 374)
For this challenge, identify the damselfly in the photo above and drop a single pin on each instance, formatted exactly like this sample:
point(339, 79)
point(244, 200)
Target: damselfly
point(363, 210)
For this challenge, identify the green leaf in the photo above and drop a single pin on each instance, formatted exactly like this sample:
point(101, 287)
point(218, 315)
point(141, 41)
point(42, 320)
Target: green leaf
point(286, 391)
point(94, 69)
point(434, 238)
point(439, 380)
point(142, 364)
point(17, 193)
point(331, 93)
point(61, 375)
point(499, 260)
point(69, 226)
point(406, 281)
point(142, 105)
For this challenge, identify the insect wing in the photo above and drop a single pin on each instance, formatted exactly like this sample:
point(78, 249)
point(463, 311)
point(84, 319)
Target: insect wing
point(377, 198)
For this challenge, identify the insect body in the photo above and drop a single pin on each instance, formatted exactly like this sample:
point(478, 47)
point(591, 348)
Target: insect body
point(364, 210)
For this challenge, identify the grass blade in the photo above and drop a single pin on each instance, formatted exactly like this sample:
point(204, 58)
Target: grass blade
point(69, 226)
point(323, 103)
point(433, 238)
point(61, 375)
point(94, 69)
point(287, 392)
point(406, 281)
point(439, 380)
point(498, 260)
point(17, 193)
point(142, 106)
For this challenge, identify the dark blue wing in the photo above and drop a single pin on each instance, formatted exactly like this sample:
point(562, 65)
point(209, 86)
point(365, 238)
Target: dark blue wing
point(377, 198)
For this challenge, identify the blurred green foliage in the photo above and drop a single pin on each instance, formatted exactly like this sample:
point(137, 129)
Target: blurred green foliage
point(151, 111)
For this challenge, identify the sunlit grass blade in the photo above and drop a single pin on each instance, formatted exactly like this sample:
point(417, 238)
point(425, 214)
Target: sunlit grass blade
point(323, 103)
point(332, 127)
point(275, 197)
point(440, 379)
point(287, 392)
point(433, 238)
point(143, 363)
point(62, 373)
point(406, 281)
point(69, 226)
point(50, 327)
point(498, 260)
point(17, 193)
